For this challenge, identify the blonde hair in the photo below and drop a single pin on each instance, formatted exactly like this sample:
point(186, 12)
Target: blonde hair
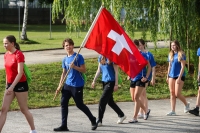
point(103, 61)
point(180, 52)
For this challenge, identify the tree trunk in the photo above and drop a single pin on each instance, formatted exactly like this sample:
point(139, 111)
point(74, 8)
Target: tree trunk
point(23, 34)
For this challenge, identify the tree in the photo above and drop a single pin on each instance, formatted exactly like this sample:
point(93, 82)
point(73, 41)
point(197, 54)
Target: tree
point(23, 34)
point(174, 19)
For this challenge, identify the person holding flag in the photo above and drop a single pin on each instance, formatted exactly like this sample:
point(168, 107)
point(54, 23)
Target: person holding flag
point(109, 72)
point(195, 111)
point(73, 86)
point(137, 86)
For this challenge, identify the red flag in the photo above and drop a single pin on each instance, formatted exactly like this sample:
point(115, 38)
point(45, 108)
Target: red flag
point(109, 39)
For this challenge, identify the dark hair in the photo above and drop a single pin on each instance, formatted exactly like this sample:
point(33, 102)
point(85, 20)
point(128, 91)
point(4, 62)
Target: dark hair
point(69, 40)
point(12, 39)
point(136, 42)
point(142, 42)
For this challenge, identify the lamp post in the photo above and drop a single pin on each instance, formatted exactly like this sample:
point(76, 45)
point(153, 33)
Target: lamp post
point(19, 17)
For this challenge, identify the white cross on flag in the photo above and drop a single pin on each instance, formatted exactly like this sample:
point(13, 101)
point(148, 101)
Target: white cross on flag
point(109, 39)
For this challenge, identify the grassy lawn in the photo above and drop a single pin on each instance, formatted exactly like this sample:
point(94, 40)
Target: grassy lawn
point(39, 36)
point(45, 79)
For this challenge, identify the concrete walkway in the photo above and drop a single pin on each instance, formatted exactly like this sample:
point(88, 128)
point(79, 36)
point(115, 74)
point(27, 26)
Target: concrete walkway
point(40, 57)
point(48, 118)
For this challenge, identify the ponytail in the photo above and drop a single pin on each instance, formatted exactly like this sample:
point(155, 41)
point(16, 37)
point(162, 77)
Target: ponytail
point(17, 46)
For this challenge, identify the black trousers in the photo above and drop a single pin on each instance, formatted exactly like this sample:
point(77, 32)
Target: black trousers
point(77, 94)
point(107, 98)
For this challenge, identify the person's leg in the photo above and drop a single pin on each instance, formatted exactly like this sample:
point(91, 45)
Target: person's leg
point(77, 94)
point(198, 98)
point(144, 100)
point(7, 100)
point(178, 89)
point(195, 111)
point(22, 98)
point(106, 95)
point(138, 103)
point(172, 96)
point(66, 95)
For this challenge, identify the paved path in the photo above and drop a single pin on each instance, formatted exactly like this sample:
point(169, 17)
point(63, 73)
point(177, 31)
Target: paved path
point(48, 118)
point(39, 57)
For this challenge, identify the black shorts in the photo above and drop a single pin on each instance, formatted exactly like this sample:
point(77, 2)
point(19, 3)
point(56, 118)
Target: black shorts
point(139, 83)
point(198, 83)
point(20, 86)
point(182, 78)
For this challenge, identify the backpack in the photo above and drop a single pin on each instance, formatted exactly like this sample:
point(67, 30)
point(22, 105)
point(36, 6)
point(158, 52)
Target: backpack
point(27, 73)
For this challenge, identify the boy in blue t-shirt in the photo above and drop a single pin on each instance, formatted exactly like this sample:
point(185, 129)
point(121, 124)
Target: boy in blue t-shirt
point(73, 86)
point(195, 111)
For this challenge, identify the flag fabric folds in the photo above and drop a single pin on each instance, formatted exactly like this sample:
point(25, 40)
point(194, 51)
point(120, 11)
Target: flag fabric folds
point(109, 39)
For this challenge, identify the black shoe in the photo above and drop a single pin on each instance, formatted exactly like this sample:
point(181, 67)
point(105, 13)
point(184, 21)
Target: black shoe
point(147, 115)
point(61, 128)
point(94, 124)
point(194, 112)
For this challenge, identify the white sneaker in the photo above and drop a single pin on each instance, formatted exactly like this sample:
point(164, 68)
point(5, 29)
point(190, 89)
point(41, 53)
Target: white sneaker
point(187, 108)
point(33, 131)
point(172, 113)
point(121, 119)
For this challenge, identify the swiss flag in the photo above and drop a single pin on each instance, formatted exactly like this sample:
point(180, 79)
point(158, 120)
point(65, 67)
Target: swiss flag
point(108, 38)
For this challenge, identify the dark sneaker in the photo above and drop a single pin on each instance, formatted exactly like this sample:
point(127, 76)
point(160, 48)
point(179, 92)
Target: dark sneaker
point(194, 112)
point(94, 124)
point(99, 123)
point(61, 128)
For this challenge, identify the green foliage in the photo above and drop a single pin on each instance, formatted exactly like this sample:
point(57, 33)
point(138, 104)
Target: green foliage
point(176, 20)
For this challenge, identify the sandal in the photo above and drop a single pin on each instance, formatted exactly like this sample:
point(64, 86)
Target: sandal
point(132, 121)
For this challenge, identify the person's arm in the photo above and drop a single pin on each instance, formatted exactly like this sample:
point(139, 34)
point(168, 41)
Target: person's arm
point(153, 75)
point(182, 68)
point(81, 69)
point(168, 70)
point(116, 76)
point(98, 72)
point(144, 79)
point(199, 70)
point(64, 72)
point(20, 70)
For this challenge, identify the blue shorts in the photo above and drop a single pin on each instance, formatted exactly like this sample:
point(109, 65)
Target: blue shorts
point(20, 86)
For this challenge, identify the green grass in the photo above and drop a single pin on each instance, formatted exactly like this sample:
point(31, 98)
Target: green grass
point(45, 79)
point(39, 36)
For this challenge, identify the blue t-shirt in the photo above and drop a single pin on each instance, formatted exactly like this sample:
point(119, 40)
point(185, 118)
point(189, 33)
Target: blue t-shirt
point(74, 77)
point(107, 70)
point(198, 52)
point(144, 70)
point(152, 63)
point(176, 66)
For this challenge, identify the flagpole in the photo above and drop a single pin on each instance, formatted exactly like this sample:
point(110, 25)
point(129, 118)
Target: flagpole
point(82, 45)
point(92, 26)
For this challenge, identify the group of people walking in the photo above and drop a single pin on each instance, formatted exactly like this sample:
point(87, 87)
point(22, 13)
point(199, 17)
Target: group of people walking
point(71, 86)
